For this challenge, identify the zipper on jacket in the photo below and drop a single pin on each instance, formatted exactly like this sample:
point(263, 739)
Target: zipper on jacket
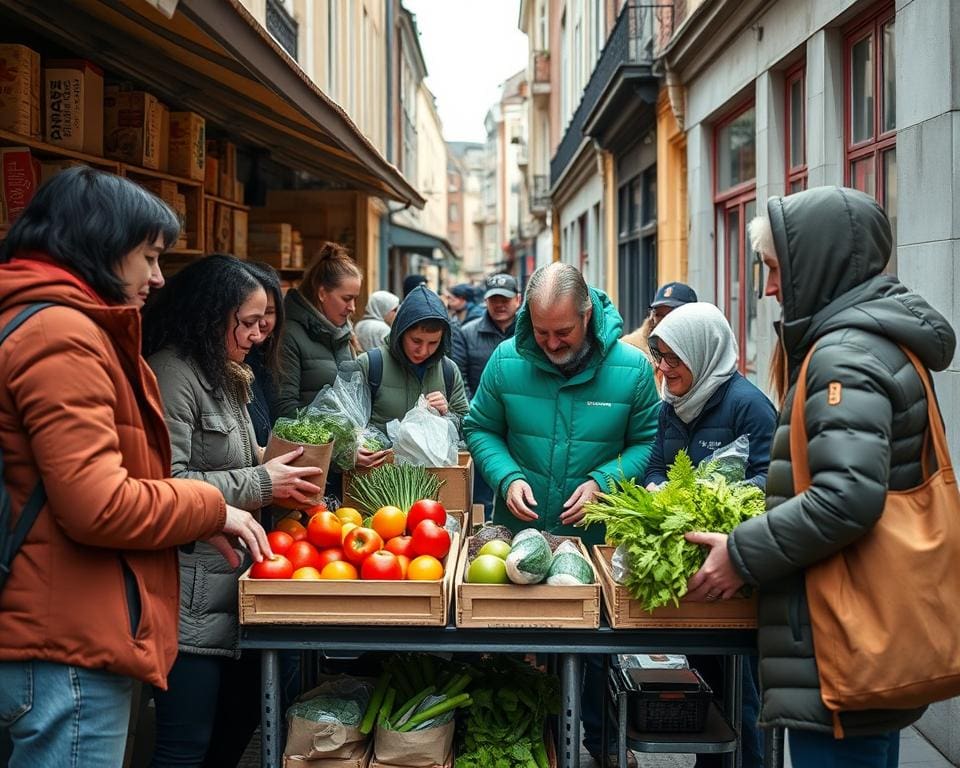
point(132, 594)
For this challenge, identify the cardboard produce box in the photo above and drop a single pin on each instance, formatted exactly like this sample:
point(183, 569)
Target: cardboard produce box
point(209, 225)
point(165, 189)
point(73, 100)
point(187, 145)
point(239, 233)
point(455, 493)
point(180, 208)
point(211, 173)
point(624, 612)
point(223, 229)
point(19, 179)
point(19, 90)
point(163, 140)
point(132, 127)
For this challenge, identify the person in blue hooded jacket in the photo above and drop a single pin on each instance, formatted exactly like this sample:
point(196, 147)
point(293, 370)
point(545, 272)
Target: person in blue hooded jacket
point(413, 362)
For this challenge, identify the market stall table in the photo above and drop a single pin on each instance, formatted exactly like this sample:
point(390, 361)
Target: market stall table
point(567, 644)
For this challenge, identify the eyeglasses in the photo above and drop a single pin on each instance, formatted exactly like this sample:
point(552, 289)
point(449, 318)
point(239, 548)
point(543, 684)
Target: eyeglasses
point(672, 361)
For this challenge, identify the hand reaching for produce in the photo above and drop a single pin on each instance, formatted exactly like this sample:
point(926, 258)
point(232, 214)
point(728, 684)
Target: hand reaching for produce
point(717, 579)
point(437, 401)
point(244, 526)
point(371, 459)
point(289, 482)
point(519, 500)
point(573, 507)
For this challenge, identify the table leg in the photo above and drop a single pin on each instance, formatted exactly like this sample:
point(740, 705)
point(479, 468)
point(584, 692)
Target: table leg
point(733, 706)
point(773, 748)
point(270, 709)
point(571, 681)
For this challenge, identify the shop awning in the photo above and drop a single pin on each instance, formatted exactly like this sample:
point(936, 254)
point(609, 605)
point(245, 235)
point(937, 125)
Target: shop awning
point(415, 240)
point(214, 58)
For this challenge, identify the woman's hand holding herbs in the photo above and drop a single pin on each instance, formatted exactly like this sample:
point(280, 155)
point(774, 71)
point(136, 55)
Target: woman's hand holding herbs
point(290, 482)
point(371, 459)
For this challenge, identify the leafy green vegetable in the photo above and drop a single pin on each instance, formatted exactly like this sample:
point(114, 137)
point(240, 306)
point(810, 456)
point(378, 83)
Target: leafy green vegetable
point(651, 525)
point(305, 428)
point(398, 485)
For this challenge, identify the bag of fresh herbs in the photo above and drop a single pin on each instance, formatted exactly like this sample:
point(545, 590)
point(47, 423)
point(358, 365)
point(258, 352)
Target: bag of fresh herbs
point(648, 526)
point(344, 407)
point(311, 431)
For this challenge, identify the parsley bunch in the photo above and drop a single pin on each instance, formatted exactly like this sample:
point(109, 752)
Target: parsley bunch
point(650, 525)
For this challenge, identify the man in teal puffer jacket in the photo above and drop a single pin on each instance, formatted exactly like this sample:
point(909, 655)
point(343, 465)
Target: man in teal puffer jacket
point(562, 409)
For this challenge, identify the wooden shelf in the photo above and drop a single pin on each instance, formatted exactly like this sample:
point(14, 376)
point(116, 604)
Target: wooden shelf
point(136, 170)
point(43, 148)
point(184, 252)
point(224, 201)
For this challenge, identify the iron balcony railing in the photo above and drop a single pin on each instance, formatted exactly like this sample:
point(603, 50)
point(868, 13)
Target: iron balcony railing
point(282, 26)
point(632, 41)
point(540, 198)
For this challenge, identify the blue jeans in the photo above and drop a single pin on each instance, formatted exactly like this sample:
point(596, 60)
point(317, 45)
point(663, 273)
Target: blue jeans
point(809, 749)
point(60, 715)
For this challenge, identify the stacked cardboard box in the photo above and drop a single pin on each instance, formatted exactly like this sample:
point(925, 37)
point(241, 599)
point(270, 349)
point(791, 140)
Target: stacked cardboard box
point(73, 99)
point(187, 145)
point(271, 243)
point(296, 251)
point(133, 123)
point(239, 234)
point(20, 90)
point(19, 179)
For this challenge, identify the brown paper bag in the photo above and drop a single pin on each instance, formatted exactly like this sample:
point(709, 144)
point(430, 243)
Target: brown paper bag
point(414, 748)
point(309, 739)
point(312, 456)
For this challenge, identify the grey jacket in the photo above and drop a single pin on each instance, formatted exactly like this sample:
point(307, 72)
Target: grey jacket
point(310, 353)
point(832, 245)
point(212, 439)
point(481, 336)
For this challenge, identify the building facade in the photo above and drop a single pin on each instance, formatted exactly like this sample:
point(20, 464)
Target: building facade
point(465, 226)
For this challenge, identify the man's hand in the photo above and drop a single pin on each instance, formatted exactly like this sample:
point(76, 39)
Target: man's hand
point(371, 459)
point(242, 525)
point(717, 579)
point(437, 401)
point(520, 499)
point(573, 507)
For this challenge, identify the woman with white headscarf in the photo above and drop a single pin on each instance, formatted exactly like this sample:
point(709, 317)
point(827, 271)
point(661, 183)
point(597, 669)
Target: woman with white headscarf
point(707, 404)
point(374, 327)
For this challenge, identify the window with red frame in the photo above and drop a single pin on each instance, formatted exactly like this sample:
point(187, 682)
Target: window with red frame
point(735, 198)
point(870, 110)
point(795, 118)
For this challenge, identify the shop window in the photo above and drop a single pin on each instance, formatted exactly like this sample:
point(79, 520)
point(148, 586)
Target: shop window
point(583, 252)
point(795, 114)
point(735, 196)
point(637, 246)
point(870, 110)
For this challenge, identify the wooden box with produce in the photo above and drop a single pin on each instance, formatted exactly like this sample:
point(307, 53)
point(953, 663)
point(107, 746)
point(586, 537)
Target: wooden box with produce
point(456, 492)
point(528, 580)
point(397, 567)
point(656, 560)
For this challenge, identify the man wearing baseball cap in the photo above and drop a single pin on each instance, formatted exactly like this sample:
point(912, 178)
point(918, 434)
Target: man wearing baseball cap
point(668, 298)
point(460, 303)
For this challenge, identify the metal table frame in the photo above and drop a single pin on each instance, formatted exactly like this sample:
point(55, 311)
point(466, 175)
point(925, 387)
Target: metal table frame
point(567, 644)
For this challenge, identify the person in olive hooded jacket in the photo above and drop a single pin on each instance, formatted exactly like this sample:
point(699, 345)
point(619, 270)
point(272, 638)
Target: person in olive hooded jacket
point(826, 249)
point(413, 361)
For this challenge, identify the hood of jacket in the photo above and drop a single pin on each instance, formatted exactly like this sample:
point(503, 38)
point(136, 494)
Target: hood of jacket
point(419, 305)
point(832, 244)
point(606, 325)
point(298, 310)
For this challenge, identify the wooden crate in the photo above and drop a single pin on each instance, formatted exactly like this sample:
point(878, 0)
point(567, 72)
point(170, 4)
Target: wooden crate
point(455, 493)
point(286, 601)
point(526, 605)
point(624, 612)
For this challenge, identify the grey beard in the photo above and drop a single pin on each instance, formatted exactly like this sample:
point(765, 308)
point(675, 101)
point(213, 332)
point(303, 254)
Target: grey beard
point(579, 360)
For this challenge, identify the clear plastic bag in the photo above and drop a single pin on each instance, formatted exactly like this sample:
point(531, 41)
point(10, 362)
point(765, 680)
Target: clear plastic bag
point(345, 406)
point(728, 461)
point(424, 438)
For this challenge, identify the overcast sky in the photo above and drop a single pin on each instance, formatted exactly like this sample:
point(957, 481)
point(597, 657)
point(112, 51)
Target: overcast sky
point(470, 48)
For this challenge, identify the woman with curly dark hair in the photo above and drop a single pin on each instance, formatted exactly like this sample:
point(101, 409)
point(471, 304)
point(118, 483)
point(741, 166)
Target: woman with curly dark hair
point(264, 358)
point(196, 337)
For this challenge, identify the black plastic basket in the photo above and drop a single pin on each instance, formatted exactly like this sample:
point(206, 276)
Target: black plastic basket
point(666, 700)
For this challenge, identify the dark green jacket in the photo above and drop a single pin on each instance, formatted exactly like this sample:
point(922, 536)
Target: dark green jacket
point(832, 245)
point(529, 422)
point(310, 353)
point(402, 384)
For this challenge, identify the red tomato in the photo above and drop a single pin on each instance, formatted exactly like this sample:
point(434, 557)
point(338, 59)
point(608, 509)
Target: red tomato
point(382, 565)
point(279, 542)
point(302, 554)
point(323, 530)
point(430, 539)
point(425, 509)
point(276, 567)
point(360, 543)
point(401, 545)
point(331, 555)
point(293, 527)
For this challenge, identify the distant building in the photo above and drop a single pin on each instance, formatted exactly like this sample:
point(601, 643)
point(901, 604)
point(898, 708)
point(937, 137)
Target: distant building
point(465, 213)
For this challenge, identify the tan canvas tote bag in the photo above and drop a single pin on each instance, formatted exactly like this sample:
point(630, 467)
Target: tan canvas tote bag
point(885, 610)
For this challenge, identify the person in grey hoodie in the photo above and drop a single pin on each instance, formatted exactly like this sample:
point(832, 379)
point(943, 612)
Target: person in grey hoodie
point(866, 419)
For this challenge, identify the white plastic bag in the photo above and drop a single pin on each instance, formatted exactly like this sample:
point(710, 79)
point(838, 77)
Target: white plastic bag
point(346, 406)
point(424, 438)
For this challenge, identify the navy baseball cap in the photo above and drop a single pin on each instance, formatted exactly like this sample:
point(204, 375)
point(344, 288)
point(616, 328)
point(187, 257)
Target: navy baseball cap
point(501, 285)
point(673, 295)
point(463, 291)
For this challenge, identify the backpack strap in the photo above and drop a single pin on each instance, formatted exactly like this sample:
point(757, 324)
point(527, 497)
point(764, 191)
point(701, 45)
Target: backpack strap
point(374, 371)
point(447, 364)
point(11, 539)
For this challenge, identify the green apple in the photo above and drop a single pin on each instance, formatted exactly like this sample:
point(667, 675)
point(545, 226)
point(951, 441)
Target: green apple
point(497, 548)
point(487, 569)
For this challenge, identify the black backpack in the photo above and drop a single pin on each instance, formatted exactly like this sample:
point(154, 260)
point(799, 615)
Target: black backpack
point(375, 373)
point(11, 539)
